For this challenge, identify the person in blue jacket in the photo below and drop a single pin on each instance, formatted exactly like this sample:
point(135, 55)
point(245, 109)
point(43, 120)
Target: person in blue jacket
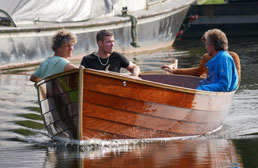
point(222, 73)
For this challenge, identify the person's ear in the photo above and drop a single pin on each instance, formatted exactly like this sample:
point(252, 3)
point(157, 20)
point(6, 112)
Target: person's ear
point(99, 43)
point(58, 50)
point(213, 47)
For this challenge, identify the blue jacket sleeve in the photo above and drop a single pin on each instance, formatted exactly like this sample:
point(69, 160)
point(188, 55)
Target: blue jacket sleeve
point(223, 81)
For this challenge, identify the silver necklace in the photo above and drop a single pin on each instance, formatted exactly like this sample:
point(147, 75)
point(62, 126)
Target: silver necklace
point(101, 62)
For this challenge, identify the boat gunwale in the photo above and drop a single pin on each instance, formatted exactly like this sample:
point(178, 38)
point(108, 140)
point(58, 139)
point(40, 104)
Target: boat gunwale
point(156, 84)
point(121, 76)
point(101, 21)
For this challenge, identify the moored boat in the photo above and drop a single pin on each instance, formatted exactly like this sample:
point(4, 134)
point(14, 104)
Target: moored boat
point(235, 18)
point(140, 26)
point(85, 103)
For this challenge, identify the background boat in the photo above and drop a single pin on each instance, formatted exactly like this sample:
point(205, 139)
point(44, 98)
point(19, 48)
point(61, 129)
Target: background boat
point(77, 106)
point(235, 18)
point(137, 25)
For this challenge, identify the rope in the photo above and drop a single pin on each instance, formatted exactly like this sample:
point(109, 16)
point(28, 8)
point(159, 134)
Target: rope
point(134, 36)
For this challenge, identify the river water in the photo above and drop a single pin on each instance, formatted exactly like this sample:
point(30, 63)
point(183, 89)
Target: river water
point(24, 142)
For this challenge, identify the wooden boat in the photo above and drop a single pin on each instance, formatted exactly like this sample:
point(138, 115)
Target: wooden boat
point(85, 103)
point(152, 27)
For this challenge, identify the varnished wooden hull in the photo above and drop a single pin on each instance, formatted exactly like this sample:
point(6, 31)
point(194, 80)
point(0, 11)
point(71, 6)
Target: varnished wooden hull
point(105, 105)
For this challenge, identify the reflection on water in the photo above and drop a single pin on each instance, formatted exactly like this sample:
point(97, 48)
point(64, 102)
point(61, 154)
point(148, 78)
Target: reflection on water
point(19, 111)
point(24, 142)
point(247, 149)
point(180, 154)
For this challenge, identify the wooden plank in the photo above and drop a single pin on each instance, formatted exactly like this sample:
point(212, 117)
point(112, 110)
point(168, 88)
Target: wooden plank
point(142, 92)
point(153, 109)
point(137, 91)
point(91, 133)
point(144, 121)
point(122, 129)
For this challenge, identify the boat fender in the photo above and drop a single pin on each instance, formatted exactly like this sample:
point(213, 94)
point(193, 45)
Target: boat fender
point(134, 42)
point(133, 19)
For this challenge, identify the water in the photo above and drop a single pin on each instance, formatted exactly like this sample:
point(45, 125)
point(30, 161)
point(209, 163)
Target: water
point(25, 143)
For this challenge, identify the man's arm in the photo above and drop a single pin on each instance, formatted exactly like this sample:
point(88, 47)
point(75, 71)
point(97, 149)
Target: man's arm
point(70, 66)
point(134, 69)
point(237, 62)
point(194, 71)
point(33, 78)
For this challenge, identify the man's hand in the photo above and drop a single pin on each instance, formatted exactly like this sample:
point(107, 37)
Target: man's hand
point(167, 68)
point(134, 69)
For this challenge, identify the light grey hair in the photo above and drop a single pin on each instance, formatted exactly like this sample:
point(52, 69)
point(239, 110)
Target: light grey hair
point(217, 38)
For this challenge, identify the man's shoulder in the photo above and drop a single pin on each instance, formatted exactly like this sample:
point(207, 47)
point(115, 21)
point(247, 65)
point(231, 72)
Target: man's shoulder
point(89, 56)
point(61, 59)
point(116, 54)
point(226, 54)
point(233, 54)
point(206, 57)
point(55, 59)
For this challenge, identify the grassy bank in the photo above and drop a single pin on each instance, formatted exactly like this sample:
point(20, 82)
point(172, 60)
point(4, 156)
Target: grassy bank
point(206, 2)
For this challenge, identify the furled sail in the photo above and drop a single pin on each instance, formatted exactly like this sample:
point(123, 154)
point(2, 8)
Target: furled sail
point(66, 10)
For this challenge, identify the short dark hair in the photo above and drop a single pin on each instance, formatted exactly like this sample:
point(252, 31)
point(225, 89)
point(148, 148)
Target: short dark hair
point(102, 34)
point(63, 37)
point(217, 38)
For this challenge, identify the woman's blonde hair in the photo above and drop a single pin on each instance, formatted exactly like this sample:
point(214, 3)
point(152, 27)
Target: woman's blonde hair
point(63, 37)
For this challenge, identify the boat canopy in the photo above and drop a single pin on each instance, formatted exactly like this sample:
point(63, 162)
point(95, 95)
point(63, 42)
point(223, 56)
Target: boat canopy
point(66, 10)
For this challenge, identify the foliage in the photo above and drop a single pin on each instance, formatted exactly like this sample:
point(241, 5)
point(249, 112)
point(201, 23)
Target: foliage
point(31, 116)
point(207, 2)
point(31, 124)
point(24, 132)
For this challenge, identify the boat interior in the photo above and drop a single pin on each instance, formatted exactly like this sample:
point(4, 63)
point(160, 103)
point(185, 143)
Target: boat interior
point(172, 79)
